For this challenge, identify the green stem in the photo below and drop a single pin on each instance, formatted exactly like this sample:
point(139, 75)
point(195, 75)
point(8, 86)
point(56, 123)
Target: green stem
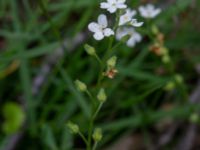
point(83, 138)
point(98, 59)
point(181, 86)
point(91, 127)
point(149, 33)
point(90, 134)
point(94, 146)
point(97, 111)
point(91, 98)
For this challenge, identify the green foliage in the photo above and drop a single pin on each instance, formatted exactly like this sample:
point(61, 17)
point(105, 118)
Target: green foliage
point(31, 36)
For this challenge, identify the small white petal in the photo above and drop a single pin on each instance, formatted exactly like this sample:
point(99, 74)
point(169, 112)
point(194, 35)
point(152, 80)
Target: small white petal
point(121, 21)
point(135, 23)
point(156, 12)
point(130, 12)
point(112, 1)
point(104, 5)
point(108, 32)
point(124, 19)
point(131, 42)
point(102, 20)
point(135, 37)
point(94, 27)
point(98, 36)
point(121, 1)
point(150, 7)
point(120, 33)
point(121, 6)
point(112, 9)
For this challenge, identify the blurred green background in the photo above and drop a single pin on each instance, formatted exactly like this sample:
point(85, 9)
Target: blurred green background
point(41, 54)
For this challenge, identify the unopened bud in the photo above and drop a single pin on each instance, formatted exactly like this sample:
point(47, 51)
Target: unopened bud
point(89, 49)
point(80, 86)
point(170, 86)
point(112, 62)
point(164, 51)
point(154, 29)
point(178, 78)
point(102, 96)
point(74, 128)
point(194, 118)
point(97, 135)
point(166, 59)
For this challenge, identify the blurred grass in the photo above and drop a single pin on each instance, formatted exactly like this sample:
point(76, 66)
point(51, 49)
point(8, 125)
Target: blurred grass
point(26, 35)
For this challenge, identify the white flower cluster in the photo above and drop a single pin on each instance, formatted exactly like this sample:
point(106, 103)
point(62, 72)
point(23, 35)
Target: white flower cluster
point(126, 22)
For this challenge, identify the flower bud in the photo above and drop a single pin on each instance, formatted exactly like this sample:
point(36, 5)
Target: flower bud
point(97, 135)
point(80, 86)
point(90, 50)
point(166, 59)
point(178, 78)
point(164, 51)
point(102, 95)
point(74, 128)
point(194, 118)
point(170, 86)
point(155, 29)
point(112, 62)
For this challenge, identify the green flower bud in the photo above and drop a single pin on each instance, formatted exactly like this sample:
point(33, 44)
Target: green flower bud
point(90, 50)
point(164, 51)
point(178, 78)
point(74, 128)
point(166, 59)
point(170, 86)
point(97, 135)
point(154, 29)
point(102, 96)
point(194, 118)
point(112, 62)
point(80, 86)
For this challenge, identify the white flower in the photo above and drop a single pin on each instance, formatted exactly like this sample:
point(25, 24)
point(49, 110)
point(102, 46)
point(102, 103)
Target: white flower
point(113, 5)
point(149, 11)
point(100, 29)
point(135, 37)
point(127, 17)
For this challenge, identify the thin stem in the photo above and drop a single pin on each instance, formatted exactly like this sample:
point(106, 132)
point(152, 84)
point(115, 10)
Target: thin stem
point(97, 111)
point(94, 146)
point(83, 138)
point(91, 97)
point(90, 134)
point(181, 86)
point(98, 59)
point(149, 33)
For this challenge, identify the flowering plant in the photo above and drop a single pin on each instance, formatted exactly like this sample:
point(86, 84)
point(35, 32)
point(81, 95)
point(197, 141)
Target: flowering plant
point(124, 30)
